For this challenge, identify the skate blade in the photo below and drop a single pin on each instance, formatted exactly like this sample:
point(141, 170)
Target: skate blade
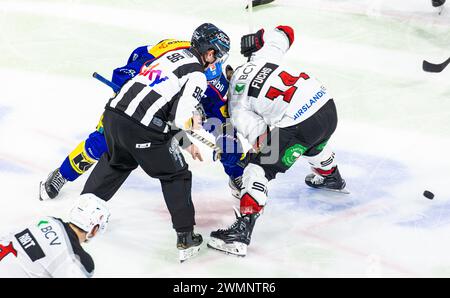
point(344, 191)
point(43, 196)
point(185, 254)
point(238, 249)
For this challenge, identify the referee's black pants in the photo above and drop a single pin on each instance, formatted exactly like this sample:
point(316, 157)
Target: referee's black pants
point(158, 154)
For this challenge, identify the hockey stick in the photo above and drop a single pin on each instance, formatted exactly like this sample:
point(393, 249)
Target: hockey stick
point(113, 86)
point(206, 142)
point(259, 2)
point(431, 67)
point(195, 135)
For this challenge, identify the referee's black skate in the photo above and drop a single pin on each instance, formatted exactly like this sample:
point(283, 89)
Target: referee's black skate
point(50, 188)
point(332, 182)
point(188, 244)
point(236, 238)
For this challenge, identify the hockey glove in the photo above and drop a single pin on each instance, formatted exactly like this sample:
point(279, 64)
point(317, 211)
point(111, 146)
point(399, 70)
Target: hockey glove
point(251, 43)
point(229, 145)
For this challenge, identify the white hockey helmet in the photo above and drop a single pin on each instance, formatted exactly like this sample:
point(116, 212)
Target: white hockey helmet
point(88, 212)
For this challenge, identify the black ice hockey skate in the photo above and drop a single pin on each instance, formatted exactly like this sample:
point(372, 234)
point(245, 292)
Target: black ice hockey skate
point(51, 187)
point(332, 182)
point(188, 244)
point(236, 186)
point(236, 238)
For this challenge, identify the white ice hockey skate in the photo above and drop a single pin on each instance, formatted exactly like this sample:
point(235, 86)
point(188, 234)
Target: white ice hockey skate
point(188, 244)
point(235, 248)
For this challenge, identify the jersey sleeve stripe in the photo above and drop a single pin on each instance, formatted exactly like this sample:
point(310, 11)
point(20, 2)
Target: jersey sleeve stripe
point(187, 69)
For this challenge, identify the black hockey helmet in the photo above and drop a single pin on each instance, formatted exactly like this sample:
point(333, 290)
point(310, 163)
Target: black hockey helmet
point(208, 37)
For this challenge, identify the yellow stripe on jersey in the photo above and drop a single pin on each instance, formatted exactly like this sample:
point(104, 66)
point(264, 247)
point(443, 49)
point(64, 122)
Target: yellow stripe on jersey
point(168, 45)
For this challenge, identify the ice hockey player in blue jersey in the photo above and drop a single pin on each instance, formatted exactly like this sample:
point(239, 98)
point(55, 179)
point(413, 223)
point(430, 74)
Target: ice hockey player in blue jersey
point(88, 152)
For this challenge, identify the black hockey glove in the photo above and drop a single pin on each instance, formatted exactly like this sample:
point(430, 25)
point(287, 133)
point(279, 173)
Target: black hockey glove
point(251, 43)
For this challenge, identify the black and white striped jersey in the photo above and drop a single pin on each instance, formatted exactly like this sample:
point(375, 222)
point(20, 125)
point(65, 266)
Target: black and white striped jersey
point(168, 88)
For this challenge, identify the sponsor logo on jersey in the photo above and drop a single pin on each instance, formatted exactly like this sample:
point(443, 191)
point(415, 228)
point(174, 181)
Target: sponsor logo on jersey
point(239, 89)
point(30, 245)
point(154, 75)
point(49, 232)
point(218, 85)
point(246, 71)
point(260, 79)
point(168, 45)
point(128, 71)
point(309, 104)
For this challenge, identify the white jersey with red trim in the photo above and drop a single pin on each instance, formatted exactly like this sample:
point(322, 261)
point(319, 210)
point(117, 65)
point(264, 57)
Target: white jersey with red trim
point(47, 248)
point(265, 92)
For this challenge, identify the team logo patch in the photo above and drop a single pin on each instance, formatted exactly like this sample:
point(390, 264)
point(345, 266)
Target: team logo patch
point(239, 89)
point(292, 154)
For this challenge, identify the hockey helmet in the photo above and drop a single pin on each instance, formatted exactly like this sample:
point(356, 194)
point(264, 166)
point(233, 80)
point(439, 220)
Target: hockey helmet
point(88, 212)
point(208, 37)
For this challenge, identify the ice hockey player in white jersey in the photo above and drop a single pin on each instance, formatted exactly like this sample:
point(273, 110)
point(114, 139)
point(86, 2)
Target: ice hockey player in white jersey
point(52, 248)
point(265, 93)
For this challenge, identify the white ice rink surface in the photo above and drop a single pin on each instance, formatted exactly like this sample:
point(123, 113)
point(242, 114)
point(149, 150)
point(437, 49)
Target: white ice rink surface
point(392, 141)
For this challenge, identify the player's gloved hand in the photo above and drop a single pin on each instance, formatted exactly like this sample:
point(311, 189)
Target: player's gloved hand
point(230, 159)
point(252, 42)
point(231, 149)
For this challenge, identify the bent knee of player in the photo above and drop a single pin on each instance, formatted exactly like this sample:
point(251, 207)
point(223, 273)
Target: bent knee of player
point(95, 145)
point(255, 184)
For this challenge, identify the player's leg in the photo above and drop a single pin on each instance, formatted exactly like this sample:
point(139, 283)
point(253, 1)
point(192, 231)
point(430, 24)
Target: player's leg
point(321, 158)
point(253, 196)
point(232, 159)
point(86, 154)
point(325, 171)
point(115, 165)
point(234, 170)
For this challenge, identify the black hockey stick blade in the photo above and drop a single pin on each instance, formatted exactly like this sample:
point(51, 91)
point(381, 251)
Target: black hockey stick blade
point(431, 67)
point(259, 2)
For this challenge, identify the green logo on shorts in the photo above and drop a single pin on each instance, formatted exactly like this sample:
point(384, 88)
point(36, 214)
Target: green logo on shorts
point(292, 154)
